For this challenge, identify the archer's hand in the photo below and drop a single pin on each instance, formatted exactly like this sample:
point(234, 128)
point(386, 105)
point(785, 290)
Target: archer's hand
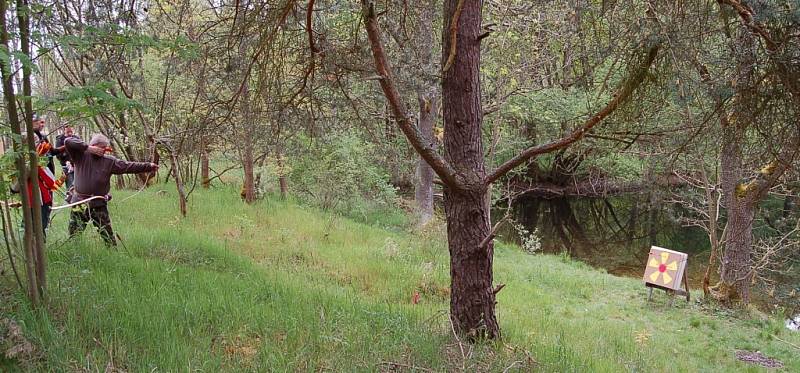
point(96, 150)
point(154, 166)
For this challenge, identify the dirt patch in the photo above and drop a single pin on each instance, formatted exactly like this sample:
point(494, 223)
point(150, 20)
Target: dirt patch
point(757, 358)
point(429, 289)
point(232, 233)
point(15, 346)
point(242, 349)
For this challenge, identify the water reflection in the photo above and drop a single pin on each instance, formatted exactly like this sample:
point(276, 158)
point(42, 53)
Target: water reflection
point(612, 233)
point(616, 234)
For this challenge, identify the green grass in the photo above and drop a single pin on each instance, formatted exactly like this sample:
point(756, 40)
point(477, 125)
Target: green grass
point(282, 287)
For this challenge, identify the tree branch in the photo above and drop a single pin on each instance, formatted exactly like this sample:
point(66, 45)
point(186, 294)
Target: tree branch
point(309, 29)
point(422, 145)
point(785, 72)
point(594, 188)
point(620, 96)
point(770, 174)
point(451, 57)
point(746, 14)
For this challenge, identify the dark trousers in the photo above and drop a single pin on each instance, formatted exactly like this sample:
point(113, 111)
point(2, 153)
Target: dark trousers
point(81, 215)
point(45, 218)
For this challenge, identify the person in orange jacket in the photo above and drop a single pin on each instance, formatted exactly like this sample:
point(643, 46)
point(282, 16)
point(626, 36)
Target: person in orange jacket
point(41, 140)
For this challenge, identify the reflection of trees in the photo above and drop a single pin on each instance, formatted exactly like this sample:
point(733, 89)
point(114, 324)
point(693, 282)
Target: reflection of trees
point(601, 231)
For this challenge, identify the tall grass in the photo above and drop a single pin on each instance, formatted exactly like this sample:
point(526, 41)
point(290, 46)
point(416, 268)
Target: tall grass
point(281, 287)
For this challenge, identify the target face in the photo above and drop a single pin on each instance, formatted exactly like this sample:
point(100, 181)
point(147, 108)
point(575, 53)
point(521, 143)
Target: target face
point(665, 267)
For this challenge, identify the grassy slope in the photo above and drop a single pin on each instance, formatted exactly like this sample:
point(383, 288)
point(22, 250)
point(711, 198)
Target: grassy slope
point(276, 287)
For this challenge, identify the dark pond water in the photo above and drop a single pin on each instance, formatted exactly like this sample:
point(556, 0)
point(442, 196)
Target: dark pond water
point(614, 233)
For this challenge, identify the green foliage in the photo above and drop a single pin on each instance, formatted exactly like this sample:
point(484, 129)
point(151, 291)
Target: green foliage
point(550, 107)
point(89, 100)
point(341, 174)
point(623, 166)
point(548, 114)
point(131, 41)
point(8, 172)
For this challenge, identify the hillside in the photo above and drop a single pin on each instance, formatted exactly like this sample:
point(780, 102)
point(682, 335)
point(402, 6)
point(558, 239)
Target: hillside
point(282, 287)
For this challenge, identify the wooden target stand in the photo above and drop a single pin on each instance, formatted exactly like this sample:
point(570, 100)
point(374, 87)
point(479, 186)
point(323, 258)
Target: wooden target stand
point(666, 270)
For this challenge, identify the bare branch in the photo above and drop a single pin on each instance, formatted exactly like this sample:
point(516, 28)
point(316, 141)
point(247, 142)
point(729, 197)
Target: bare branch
point(309, 29)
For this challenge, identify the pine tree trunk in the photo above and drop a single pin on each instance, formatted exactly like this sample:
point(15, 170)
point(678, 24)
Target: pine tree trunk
point(249, 193)
point(472, 301)
point(736, 263)
point(652, 218)
point(472, 297)
point(713, 233)
point(205, 179)
point(178, 182)
point(120, 181)
point(248, 159)
point(245, 105)
point(428, 101)
point(423, 188)
point(739, 204)
point(284, 185)
point(735, 269)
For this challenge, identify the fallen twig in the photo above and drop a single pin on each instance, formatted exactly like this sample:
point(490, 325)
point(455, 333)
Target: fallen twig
point(460, 345)
point(512, 365)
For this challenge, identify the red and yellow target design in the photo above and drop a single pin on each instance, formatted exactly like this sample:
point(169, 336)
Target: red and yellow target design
point(665, 267)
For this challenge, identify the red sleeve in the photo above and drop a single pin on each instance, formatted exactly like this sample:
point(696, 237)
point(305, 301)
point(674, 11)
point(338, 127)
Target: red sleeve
point(46, 179)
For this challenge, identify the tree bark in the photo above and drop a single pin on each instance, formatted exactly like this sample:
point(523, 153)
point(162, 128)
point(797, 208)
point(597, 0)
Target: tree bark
point(245, 104)
point(282, 182)
point(736, 266)
point(736, 262)
point(34, 291)
point(428, 101)
point(423, 188)
point(713, 226)
point(652, 217)
point(178, 182)
point(120, 181)
point(23, 15)
point(204, 167)
point(740, 211)
point(472, 301)
point(249, 187)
